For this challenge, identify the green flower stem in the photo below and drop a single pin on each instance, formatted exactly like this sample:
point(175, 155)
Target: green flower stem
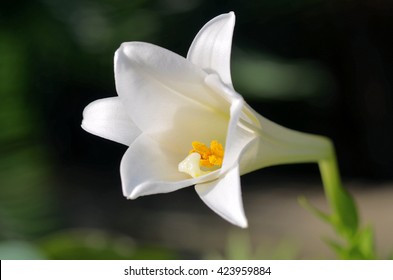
point(359, 243)
point(344, 211)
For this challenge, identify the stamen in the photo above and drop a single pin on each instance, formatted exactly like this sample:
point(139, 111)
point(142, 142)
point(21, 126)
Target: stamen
point(210, 157)
point(201, 156)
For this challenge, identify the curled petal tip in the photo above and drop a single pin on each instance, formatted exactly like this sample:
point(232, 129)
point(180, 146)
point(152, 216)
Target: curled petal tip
point(231, 14)
point(211, 48)
point(224, 197)
point(243, 224)
point(108, 118)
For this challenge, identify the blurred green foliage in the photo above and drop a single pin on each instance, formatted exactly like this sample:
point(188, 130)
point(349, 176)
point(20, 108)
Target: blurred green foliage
point(269, 77)
point(17, 250)
point(88, 244)
point(239, 246)
point(83, 244)
point(25, 203)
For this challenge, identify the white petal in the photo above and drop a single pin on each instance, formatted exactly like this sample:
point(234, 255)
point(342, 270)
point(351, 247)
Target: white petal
point(148, 167)
point(165, 94)
point(238, 137)
point(211, 48)
point(107, 118)
point(224, 197)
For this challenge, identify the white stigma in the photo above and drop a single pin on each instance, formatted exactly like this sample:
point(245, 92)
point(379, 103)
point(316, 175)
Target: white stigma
point(190, 165)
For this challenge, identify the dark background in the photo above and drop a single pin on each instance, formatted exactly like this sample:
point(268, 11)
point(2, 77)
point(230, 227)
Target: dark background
point(317, 66)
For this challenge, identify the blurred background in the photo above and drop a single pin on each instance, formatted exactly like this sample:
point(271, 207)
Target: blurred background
point(319, 66)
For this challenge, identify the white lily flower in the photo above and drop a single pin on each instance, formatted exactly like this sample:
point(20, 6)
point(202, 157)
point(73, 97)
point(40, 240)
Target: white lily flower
point(167, 102)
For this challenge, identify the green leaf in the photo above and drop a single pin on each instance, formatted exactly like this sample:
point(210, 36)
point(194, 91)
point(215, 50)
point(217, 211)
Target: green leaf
point(365, 243)
point(321, 215)
point(346, 210)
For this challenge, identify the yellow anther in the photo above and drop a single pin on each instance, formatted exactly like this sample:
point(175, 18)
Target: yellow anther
point(217, 149)
point(210, 157)
point(200, 148)
point(214, 160)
